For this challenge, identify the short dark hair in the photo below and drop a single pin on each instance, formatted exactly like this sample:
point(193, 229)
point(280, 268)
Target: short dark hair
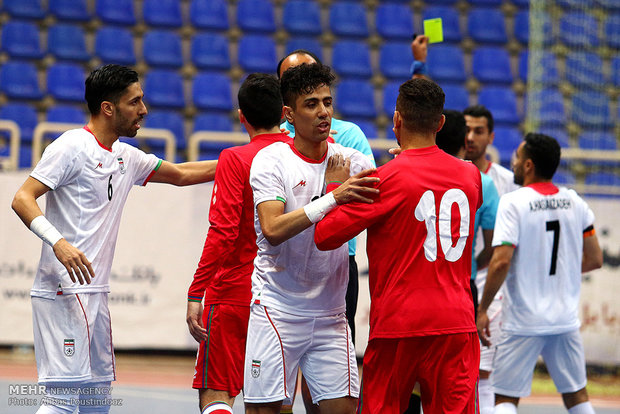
point(451, 137)
point(107, 83)
point(478, 111)
point(544, 151)
point(260, 100)
point(297, 52)
point(420, 103)
point(304, 79)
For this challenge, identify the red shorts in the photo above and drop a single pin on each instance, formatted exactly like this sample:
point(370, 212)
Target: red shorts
point(446, 366)
point(219, 364)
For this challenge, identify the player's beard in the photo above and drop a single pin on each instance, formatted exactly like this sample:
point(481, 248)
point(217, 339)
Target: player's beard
point(125, 127)
point(518, 175)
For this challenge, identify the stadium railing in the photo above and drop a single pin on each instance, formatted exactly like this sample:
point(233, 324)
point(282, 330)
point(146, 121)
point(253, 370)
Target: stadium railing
point(11, 162)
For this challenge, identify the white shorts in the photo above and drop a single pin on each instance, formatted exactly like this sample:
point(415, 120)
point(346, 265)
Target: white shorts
point(517, 355)
point(278, 343)
point(73, 338)
point(487, 353)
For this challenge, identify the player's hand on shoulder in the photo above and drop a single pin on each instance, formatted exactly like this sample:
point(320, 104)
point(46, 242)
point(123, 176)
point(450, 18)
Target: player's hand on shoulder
point(194, 321)
point(76, 263)
point(338, 169)
point(359, 187)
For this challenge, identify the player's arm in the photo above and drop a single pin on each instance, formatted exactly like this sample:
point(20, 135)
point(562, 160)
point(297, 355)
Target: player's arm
point(186, 173)
point(592, 254)
point(278, 226)
point(484, 257)
point(225, 218)
point(419, 49)
point(498, 270)
point(25, 206)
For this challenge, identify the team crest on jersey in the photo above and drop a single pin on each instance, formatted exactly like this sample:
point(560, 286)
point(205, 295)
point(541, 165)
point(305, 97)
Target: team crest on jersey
point(121, 165)
point(255, 368)
point(69, 347)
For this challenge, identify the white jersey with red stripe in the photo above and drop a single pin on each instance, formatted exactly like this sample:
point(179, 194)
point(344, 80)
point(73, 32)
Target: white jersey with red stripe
point(546, 225)
point(295, 277)
point(502, 177)
point(89, 184)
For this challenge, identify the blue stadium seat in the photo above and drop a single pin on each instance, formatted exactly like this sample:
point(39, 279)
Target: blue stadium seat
point(590, 109)
point(491, 64)
point(213, 122)
point(65, 82)
point(457, 97)
point(449, 20)
point(394, 21)
point(492, 3)
point(558, 132)
point(602, 178)
point(24, 115)
point(523, 4)
point(551, 111)
point(522, 28)
point(507, 140)
point(66, 113)
point(164, 88)
point(257, 53)
point(347, 18)
point(355, 98)
point(162, 48)
point(21, 40)
point(502, 102)
point(595, 140)
point(615, 71)
point(212, 91)
point(302, 17)
point(368, 127)
point(210, 51)
point(162, 13)
point(395, 60)
point(446, 63)
point(67, 41)
point(19, 80)
point(390, 93)
point(549, 68)
point(115, 45)
point(579, 30)
point(612, 31)
point(449, 2)
point(118, 12)
point(584, 69)
point(351, 58)
point(256, 16)
point(305, 43)
point(564, 178)
point(487, 26)
point(74, 10)
point(171, 120)
point(24, 9)
point(611, 5)
point(209, 14)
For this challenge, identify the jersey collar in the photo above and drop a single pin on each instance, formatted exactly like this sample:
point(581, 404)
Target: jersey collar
point(546, 188)
point(100, 144)
point(303, 157)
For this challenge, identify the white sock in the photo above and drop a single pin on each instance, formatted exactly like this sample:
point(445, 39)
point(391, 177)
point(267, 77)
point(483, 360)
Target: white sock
point(505, 408)
point(583, 408)
point(217, 407)
point(486, 397)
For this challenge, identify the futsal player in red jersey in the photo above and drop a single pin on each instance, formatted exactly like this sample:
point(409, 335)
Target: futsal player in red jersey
point(226, 265)
point(420, 232)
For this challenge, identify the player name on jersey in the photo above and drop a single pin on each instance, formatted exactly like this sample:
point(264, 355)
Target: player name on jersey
point(550, 204)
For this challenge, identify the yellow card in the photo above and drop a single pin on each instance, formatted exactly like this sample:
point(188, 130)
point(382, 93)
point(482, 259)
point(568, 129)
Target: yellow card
point(434, 30)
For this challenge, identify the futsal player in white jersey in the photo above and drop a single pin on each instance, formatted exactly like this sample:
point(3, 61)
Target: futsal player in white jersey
point(544, 239)
point(90, 174)
point(298, 306)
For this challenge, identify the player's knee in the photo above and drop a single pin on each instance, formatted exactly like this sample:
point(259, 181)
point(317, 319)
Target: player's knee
point(217, 407)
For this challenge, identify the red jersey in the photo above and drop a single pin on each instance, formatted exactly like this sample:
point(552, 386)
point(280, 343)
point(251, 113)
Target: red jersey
point(420, 232)
point(225, 268)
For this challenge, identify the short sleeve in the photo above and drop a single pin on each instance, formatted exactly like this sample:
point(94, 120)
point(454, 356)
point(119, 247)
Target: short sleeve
point(60, 163)
point(143, 165)
point(489, 204)
point(506, 223)
point(266, 176)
